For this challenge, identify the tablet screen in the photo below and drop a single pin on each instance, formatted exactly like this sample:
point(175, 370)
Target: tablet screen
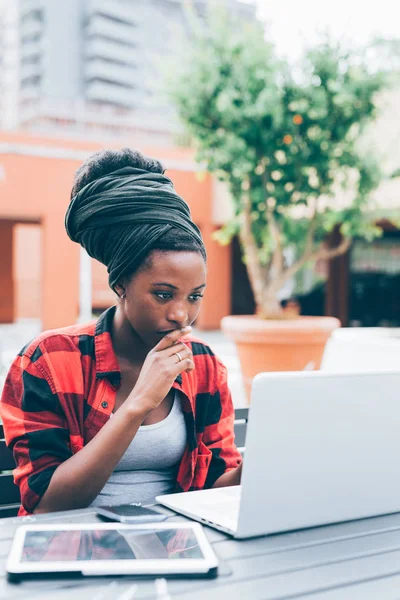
point(112, 544)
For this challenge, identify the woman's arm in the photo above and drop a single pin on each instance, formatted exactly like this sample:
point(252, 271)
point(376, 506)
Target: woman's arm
point(50, 477)
point(77, 481)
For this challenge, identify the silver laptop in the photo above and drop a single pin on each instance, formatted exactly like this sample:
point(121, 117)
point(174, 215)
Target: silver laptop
point(320, 448)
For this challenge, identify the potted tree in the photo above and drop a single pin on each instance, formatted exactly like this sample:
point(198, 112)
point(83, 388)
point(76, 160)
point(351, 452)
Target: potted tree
point(286, 142)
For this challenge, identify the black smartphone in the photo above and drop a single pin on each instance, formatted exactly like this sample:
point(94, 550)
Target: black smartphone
point(130, 513)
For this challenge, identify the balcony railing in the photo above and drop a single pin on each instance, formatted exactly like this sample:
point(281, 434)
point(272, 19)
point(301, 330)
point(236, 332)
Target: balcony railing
point(31, 49)
point(28, 6)
point(115, 10)
point(99, 91)
point(101, 69)
point(90, 118)
point(98, 48)
point(28, 71)
point(101, 26)
point(31, 28)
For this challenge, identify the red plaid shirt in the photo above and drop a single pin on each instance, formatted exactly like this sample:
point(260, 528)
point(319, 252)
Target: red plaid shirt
point(61, 389)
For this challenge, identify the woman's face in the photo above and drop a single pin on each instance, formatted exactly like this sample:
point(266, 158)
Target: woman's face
point(165, 295)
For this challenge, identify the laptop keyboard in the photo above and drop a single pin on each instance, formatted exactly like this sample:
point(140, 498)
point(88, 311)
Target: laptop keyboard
point(221, 508)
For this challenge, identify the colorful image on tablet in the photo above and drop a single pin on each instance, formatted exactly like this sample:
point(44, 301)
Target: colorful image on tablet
point(115, 544)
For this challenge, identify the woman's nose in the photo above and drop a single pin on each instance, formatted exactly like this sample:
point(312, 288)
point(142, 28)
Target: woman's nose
point(178, 315)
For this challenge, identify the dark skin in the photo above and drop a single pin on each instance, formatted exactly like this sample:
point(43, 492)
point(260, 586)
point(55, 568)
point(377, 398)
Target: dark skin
point(158, 305)
point(153, 305)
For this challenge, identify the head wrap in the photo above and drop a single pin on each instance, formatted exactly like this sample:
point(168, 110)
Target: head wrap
point(118, 218)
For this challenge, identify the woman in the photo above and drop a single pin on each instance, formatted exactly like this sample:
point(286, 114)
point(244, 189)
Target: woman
point(124, 409)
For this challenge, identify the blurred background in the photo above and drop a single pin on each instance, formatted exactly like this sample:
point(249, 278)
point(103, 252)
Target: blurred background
point(80, 75)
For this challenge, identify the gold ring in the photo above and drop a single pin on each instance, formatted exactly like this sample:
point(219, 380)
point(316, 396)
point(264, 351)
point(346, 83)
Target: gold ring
point(179, 356)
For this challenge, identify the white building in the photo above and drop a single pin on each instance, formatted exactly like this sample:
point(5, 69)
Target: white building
point(90, 65)
point(9, 63)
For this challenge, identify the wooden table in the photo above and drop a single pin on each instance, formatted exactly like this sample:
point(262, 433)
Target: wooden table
point(357, 560)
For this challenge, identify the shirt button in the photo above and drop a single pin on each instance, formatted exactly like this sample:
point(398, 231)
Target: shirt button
point(104, 404)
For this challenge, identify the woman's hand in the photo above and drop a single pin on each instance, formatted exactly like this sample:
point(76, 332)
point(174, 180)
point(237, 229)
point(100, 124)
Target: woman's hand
point(168, 359)
point(232, 477)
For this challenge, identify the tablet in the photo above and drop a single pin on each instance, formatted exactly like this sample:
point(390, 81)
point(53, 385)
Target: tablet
point(101, 549)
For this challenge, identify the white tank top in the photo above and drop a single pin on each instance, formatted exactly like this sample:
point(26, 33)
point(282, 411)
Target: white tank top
point(149, 466)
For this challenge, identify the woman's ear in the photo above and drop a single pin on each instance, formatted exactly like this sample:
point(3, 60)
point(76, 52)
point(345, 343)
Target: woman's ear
point(120, 290)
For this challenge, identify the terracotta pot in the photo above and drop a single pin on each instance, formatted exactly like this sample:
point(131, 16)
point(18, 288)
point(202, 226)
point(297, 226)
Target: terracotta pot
point(286, 345)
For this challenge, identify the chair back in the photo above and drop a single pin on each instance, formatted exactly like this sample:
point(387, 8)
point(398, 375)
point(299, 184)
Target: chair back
point(9, 492)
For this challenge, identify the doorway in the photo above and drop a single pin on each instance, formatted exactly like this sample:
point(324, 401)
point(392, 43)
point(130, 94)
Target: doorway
point(374, 298)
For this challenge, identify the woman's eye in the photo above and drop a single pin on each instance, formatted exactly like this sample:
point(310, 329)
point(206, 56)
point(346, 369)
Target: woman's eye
point(163, 295)
point(196, 297)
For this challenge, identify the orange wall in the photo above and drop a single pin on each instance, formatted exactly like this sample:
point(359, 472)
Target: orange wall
point(102, 294)
point(27, 271)
point(6, 275)
point(36, 189)
point(217, 299)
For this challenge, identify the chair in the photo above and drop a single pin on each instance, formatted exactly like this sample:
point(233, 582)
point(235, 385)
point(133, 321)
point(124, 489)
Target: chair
point(9, 492)
point(240, 427)
point(361, 350)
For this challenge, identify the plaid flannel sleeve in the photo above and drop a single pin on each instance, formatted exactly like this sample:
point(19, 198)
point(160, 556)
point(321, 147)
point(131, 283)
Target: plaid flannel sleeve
point(34, 425)
point(219, 434)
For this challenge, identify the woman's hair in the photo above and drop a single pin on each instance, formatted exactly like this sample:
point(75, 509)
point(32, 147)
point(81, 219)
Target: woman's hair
point(104, 162)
